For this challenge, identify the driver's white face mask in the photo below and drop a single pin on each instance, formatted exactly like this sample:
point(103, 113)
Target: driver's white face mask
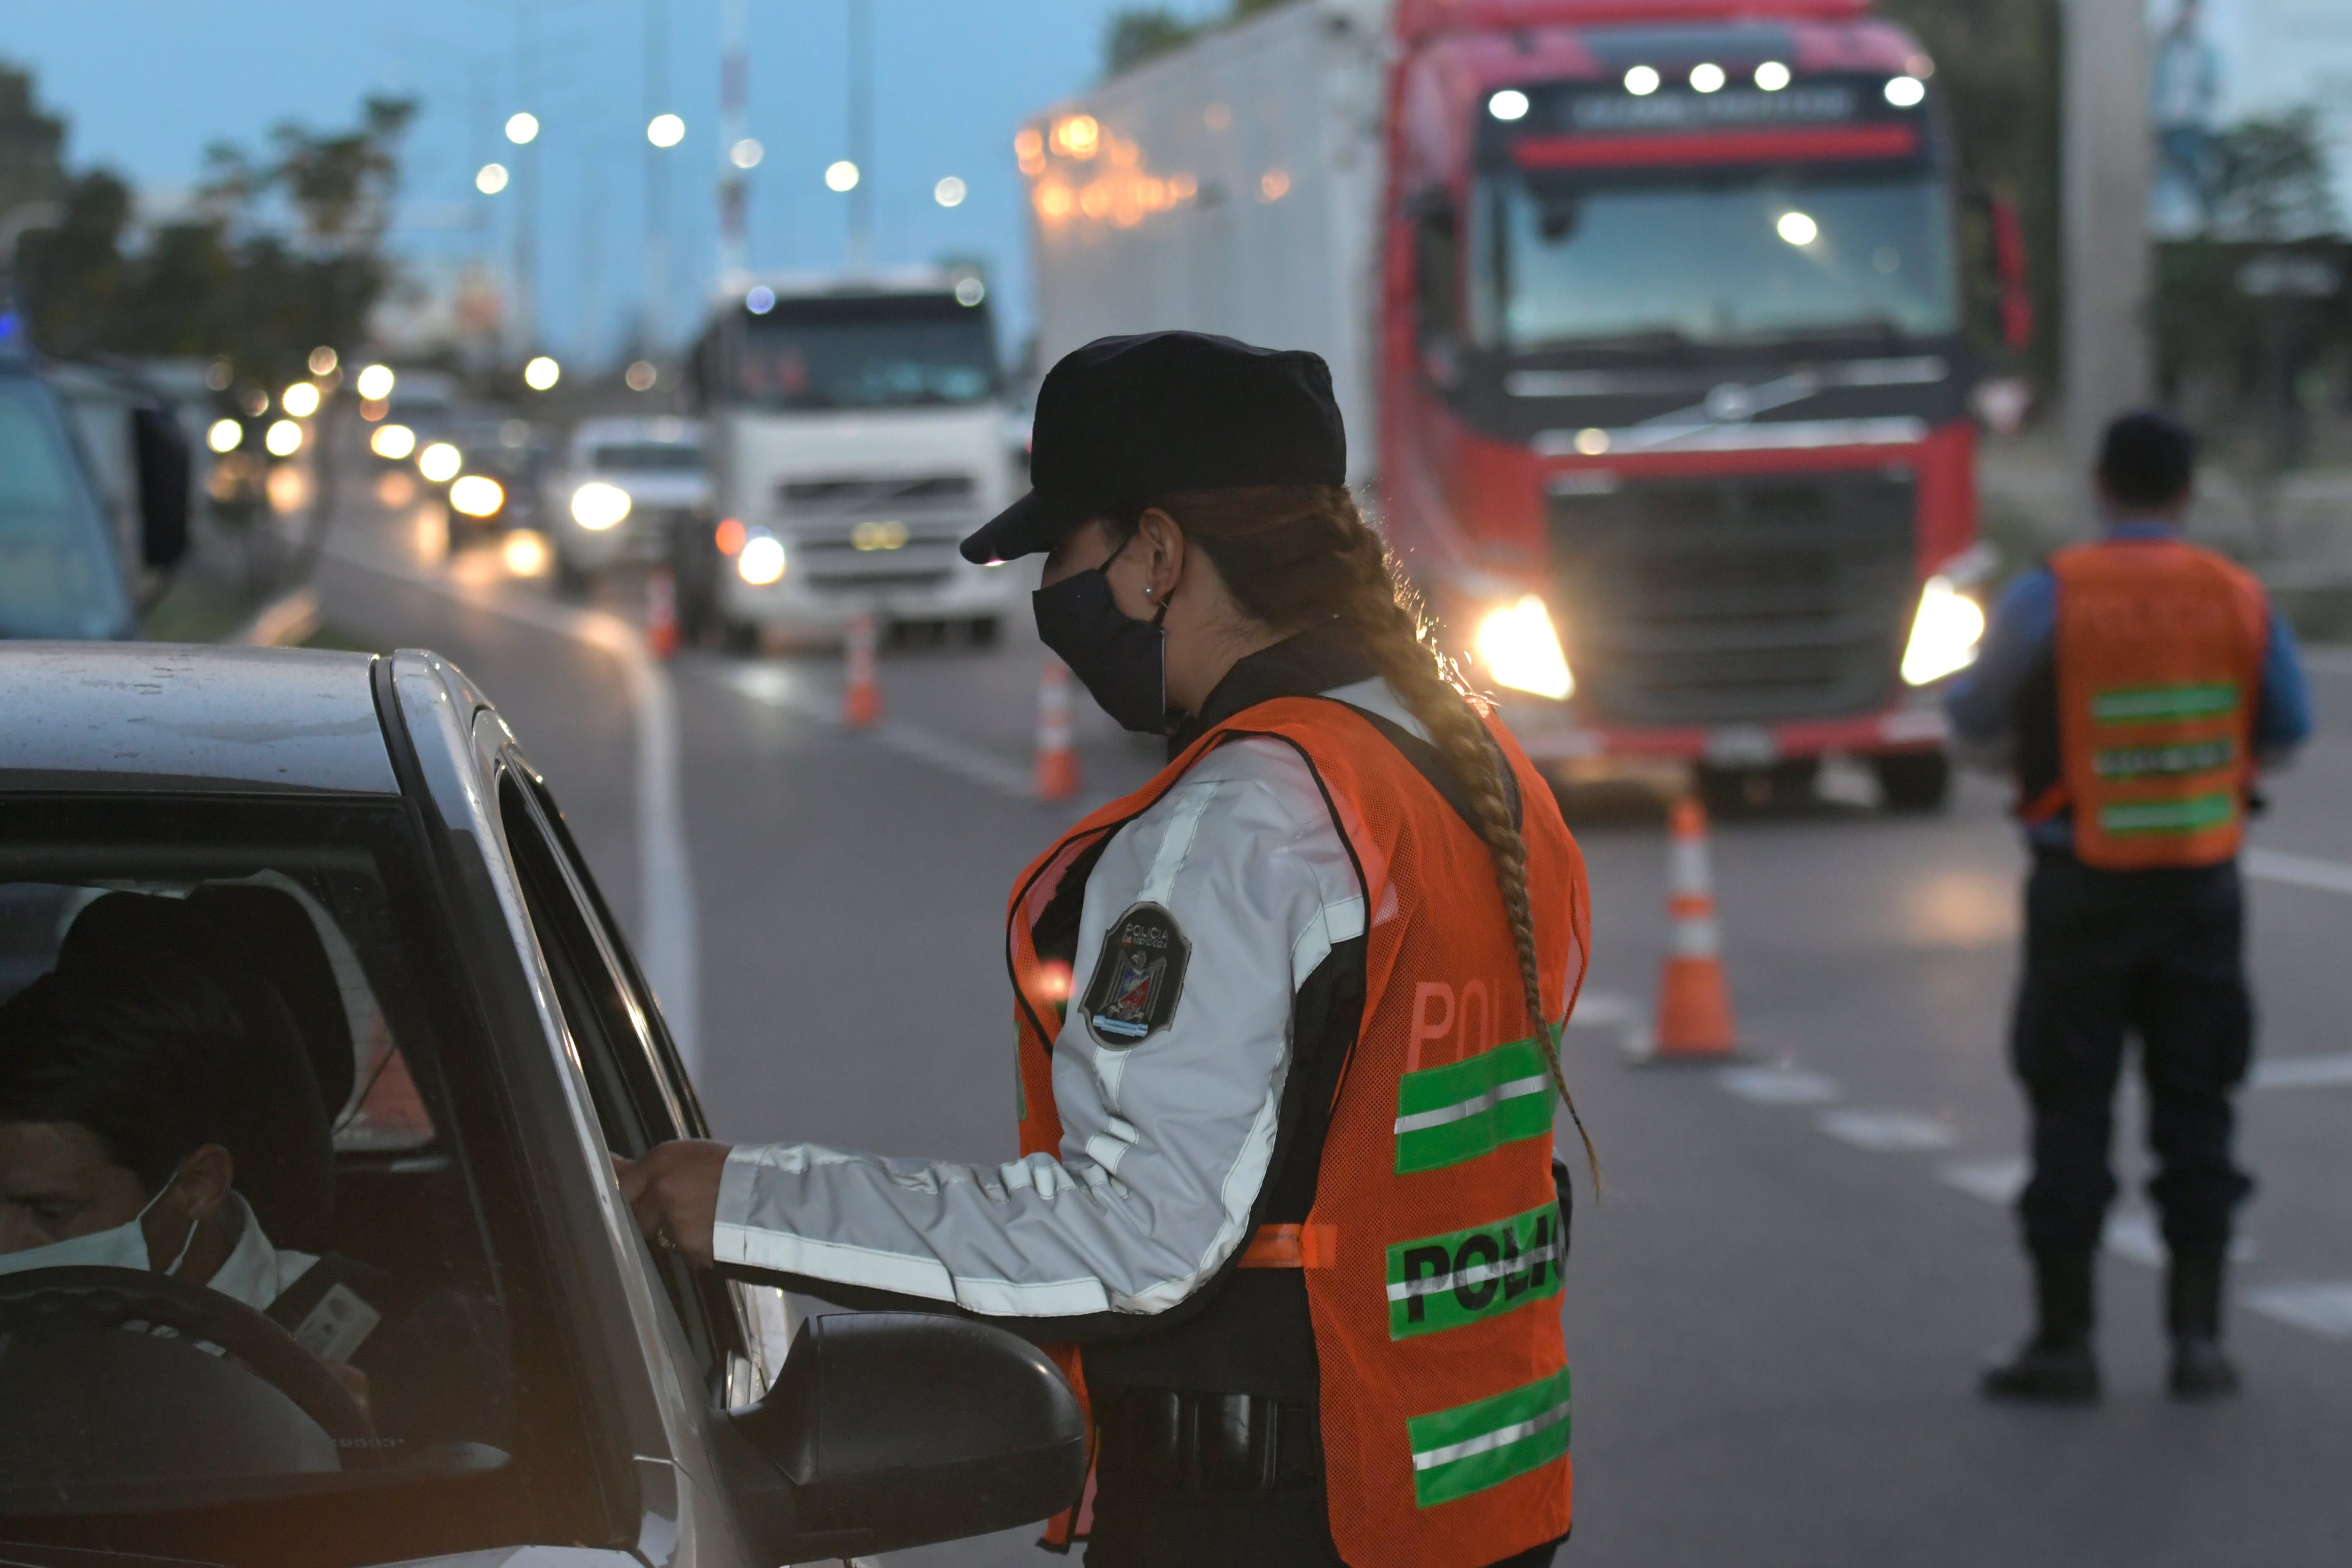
point(123, 1246)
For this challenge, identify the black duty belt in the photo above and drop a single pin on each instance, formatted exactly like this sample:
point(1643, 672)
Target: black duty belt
point(1165, 1440)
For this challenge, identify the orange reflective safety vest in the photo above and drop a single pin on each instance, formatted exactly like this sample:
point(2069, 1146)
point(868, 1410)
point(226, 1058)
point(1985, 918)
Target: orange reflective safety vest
point(1432, 1254)
point(2160, 655)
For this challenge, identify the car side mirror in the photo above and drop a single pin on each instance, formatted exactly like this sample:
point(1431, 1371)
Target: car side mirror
point(165, 477)
point(896, 1429)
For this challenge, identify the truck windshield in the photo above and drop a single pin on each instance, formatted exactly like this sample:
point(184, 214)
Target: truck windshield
point(880, 353)
point(58, 574)
point(1724, 258)
point(646, 457)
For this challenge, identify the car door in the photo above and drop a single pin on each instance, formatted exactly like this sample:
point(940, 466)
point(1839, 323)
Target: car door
point(735, 1333)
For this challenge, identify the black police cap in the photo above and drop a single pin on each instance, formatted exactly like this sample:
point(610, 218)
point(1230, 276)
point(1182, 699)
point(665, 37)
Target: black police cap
point(1124, 419)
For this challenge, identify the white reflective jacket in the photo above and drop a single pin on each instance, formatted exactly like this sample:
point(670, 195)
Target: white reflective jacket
point(1165, 1145)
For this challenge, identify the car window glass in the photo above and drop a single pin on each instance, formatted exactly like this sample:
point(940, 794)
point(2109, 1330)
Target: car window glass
point(269, 982)
point(612, 1028)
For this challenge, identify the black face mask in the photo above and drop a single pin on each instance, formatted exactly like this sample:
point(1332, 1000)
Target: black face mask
point(1123, 661)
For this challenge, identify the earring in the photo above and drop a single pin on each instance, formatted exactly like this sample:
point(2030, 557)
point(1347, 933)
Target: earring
point(1146, 593)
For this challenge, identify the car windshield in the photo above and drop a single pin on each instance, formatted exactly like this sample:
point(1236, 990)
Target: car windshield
point(59, 577)
point(1724, 258)
point(646, 457)
point(229, 1042)
point(880, 353)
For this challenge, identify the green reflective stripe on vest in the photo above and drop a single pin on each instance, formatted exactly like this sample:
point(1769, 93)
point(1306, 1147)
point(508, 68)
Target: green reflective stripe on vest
point(1473, 1446)
point(1465, 1276)
point(1459, 1112)
point(2168, 815)
point(2139, 704)
point(2163, 762)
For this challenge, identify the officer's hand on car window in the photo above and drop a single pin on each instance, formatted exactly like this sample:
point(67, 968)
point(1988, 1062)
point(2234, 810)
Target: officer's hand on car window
point(674, 1192)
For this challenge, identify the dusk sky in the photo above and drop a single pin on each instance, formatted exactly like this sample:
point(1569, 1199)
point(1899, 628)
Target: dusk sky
point(146, 85)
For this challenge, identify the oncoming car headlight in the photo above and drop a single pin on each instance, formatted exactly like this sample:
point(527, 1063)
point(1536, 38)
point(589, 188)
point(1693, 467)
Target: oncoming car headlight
point(760, 561)
point(477, 495)
point(1520, 650)
point(1943, 634)
point(439, 461)
point(597, 506)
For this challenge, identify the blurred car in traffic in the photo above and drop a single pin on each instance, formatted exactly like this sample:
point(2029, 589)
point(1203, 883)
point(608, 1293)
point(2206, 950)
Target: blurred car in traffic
point(96, 483)
point(496, 478)
point(858, 432)
point(626, 486)
point(446, 1334)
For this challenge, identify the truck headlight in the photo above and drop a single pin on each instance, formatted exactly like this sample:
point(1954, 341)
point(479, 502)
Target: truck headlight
point(1945, 634)
point(1520, 650)
point(760, 561)
point(597, 506)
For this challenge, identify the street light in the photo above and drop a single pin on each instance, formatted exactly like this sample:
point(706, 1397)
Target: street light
point(374, 383)
point(541, 374)
point(746, 153)
point(841, 175)
point(641, 376)
point(225, 435)
point(323, 361)
point(950, 192)
point(300, 400)
point(283, 440)
point(490, 179)
point(665, 130)
point(522, 127)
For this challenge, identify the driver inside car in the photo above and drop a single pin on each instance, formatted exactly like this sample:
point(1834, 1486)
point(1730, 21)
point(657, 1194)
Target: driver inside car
point(116, 1105)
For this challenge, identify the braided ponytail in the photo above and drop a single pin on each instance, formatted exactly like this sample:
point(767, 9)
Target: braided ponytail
point(1295, 556)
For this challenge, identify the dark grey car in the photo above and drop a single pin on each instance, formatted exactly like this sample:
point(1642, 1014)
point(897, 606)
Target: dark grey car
point(358, 847)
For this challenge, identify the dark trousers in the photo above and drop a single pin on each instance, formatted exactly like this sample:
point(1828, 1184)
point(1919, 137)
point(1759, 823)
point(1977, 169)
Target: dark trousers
point(2156, 954)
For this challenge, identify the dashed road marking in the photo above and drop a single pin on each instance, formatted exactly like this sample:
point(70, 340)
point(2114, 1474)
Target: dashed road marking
point(2323, 1308)
point(2298, 871)
point(1994, 1180)
point(2332, 1071)
point(780, 688)
point(1778, 1085)
point(1886, 1131)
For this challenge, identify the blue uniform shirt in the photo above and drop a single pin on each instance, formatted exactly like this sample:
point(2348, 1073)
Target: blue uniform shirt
point(1983, 702)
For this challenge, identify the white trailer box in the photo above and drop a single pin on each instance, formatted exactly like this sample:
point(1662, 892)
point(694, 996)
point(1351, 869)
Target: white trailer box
point(1230, 186)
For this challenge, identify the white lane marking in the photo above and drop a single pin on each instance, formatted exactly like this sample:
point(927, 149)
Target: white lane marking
point(1886, 1131)
point(2323, 1308)
point(2298, 871)
point(1994, 1180)
point(779, 688)
point(1614, 1010)
point(2133, 1235)
point(667, 951)
point(2334, 1071)
point(1780, 1084)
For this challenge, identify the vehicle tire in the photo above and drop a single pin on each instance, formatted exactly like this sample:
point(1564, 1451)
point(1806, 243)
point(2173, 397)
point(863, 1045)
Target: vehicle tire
point(983, 631)
point(1914, 781)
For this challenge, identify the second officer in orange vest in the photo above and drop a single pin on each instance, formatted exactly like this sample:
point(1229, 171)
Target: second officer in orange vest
point(2132, 686)
point(1288, 1024)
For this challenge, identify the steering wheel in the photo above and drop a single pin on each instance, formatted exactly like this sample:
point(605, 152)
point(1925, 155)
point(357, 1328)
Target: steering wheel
point(91, 1296)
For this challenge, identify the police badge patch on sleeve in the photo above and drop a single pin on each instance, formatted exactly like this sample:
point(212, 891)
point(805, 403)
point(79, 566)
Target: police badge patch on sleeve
point(1138, 977)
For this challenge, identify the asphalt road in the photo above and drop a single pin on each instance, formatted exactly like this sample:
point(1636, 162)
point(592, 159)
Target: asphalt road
point(1777, 1311)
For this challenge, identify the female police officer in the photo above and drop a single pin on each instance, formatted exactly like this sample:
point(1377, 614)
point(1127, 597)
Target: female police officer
point(1286, 1057)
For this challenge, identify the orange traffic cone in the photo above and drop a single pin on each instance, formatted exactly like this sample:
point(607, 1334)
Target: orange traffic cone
point(1693, 1004)
point(661, 612)
point(861, 704)
point(1057, 760)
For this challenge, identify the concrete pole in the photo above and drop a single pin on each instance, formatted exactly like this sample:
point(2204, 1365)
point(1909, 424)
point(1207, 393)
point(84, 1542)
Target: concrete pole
point(2103, 176)
point(734, 125)
point(861, 136)
point(656, 328)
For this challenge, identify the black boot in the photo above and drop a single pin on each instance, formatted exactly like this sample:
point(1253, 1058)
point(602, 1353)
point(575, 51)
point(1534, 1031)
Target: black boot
point(2055, 1367)
point(2193, 1316)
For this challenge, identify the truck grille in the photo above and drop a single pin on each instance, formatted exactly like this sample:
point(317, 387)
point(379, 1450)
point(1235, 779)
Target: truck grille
point(866, 535)
point(1710, 601)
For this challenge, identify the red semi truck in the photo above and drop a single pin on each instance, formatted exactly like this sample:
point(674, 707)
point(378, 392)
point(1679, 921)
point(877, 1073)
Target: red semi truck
point(1660, 307)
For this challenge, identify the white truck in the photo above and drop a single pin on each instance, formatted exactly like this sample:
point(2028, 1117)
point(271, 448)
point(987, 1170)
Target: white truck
point(1231, 187)
point(856, 431)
